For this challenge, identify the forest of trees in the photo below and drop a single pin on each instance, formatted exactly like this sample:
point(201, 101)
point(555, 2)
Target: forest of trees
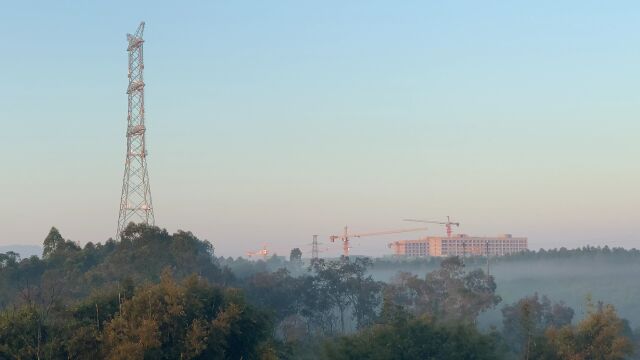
point(155, 295)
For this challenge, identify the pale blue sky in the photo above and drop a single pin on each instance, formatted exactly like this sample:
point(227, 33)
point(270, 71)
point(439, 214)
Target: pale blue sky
point(270, 121)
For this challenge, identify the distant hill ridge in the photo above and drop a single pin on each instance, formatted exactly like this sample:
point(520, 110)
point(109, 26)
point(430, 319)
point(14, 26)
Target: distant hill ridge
point(25, 251)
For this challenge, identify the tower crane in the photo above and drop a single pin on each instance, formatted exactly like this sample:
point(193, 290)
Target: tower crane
point(346, 236)
point(448, 224)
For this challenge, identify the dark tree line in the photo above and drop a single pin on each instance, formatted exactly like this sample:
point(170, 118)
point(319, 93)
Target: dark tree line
point(155, 295)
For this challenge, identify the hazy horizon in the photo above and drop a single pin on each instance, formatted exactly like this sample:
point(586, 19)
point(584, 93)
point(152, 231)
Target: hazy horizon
point(271, 122)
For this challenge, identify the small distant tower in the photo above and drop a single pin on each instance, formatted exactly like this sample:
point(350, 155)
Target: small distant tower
point(488, 258)
point(135, 202)
point(314, 247)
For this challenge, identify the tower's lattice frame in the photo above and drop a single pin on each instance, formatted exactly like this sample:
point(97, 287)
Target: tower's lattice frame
point(135, 202)
point(315, 252)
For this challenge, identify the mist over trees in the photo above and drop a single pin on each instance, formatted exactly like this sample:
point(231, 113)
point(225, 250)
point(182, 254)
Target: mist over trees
point(525, 322)
point(155, 295)
point(569, 275)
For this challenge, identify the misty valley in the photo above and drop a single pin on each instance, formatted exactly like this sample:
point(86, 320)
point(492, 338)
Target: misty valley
point(155, 295)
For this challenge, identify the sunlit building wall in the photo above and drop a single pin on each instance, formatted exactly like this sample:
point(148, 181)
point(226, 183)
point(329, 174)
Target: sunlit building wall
point(460, 245)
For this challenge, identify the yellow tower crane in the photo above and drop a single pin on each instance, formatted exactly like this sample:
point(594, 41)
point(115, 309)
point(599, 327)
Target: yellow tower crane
point(448, 224)
point(346, 236)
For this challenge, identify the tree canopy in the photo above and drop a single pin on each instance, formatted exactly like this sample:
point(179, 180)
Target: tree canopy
point(155, 295)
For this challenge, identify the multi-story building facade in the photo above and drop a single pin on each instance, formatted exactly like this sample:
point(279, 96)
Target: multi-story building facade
point(460, 245)
point(411, 248)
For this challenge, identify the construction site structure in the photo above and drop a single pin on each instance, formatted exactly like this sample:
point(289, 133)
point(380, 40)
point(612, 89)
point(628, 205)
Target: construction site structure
point(346, 236)
point(135, 201)
point(448, 224)
point(264, 252)
point(460, 245)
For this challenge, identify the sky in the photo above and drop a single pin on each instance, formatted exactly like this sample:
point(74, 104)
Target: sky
point(271, 121)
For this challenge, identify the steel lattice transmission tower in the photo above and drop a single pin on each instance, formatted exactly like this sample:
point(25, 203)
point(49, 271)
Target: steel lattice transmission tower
point(314, 247)
point(135, 202)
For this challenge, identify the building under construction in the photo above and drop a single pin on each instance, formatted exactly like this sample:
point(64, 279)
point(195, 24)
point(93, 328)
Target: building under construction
point(460, 245)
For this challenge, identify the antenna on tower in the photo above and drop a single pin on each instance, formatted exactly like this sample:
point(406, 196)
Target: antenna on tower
point(135, 201)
